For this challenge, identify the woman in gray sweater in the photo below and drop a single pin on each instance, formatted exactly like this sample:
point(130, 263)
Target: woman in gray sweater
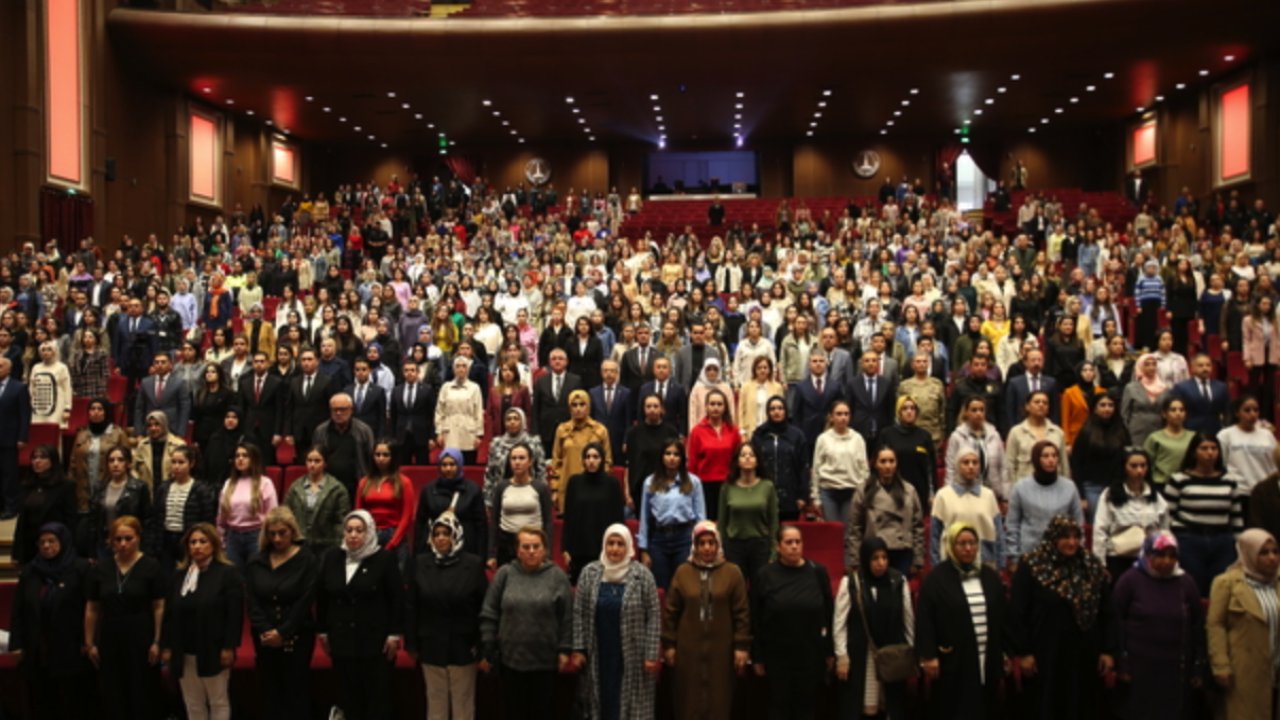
point(1035, 500)
point(526, 627)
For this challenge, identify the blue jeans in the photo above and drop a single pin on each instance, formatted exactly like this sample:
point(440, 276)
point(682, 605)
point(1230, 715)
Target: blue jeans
point(1091, 493)
point(401, 551)
point(835, 504)
point(1205, 556)
point(242, 546)
point(667, 549)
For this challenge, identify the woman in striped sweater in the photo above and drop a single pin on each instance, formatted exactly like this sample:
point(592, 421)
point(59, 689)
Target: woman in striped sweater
point(1206, 510)
point(1148, 292)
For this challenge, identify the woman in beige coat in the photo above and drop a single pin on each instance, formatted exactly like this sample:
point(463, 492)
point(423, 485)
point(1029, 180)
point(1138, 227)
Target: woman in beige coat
point(460, 412)
point(572, 437)
point(755, 394)
point(1243, 622)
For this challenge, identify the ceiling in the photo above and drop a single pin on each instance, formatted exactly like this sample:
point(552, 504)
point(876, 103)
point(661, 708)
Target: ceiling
point(935, 65)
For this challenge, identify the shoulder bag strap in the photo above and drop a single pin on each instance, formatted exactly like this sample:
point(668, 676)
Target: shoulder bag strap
point(866, 628)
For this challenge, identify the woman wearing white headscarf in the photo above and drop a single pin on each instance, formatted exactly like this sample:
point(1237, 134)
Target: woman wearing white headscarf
point(711, 378)
point(360, 608)
point(446, 592)
point(617, 620)
point(1244, 627)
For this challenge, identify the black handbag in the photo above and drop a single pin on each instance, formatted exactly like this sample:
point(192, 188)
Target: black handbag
point(894, 663)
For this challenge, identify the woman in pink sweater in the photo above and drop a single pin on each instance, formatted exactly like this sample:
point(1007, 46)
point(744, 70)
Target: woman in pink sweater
point(247, 496)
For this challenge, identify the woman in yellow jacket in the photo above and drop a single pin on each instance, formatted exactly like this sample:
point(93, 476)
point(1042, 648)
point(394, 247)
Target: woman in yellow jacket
point(572, 437)
point(1244, 617)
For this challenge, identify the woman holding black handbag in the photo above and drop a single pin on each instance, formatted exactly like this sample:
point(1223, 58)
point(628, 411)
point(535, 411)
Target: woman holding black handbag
point(871, 664)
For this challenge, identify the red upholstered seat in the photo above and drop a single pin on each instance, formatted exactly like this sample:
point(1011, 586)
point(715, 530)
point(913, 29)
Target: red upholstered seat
point(824, 543)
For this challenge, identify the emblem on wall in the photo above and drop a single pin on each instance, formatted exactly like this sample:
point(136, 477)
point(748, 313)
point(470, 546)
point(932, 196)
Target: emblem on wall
point(866, 164)
point(537, 171)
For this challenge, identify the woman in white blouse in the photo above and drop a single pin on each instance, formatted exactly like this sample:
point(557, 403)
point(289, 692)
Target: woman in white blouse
point(1128, 511)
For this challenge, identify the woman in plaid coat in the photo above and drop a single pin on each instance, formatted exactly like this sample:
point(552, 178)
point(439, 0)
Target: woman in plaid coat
point(617, 621)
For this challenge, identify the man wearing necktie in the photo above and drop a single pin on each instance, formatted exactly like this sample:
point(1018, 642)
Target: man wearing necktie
point(413, 417)
point(611, 407)
point(308, 401)
point(370, 398)
point(262, 395)
point(1020, 389)
point(1206, 398)
point(873, 400)
point(166, 392)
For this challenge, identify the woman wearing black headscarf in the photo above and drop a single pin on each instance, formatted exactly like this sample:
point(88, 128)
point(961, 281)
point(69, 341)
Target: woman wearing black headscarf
point(1098, 452)
point(914, 447)
point(446, 591)
point(216, 453)
point(47, 629)
point(879, 593)
point(589, 509)
point(46, 497)
point(1061, 628)
point(780, 448)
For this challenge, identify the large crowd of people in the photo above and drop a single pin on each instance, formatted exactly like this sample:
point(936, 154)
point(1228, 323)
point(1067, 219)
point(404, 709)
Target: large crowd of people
point(1027, 437)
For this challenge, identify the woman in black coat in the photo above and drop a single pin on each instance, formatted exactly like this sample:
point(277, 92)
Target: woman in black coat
point(360, 609)
point(47, 629)
point(913, 445)
point(132, 499)
point(585, 352)
point(165, 531)
point(204, 616)
point(880, 594)
point(1061, 624)
point(281, 588)
point(209, 403)
point(216, 452)
point(781, 446)
point(446, 592)
point(46, 497)
point(593, 501)
point(950, 642)
point(122, 621)
point(452, 492)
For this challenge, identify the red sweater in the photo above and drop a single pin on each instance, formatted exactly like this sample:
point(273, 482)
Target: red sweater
point(387, 511)
point(711, 452)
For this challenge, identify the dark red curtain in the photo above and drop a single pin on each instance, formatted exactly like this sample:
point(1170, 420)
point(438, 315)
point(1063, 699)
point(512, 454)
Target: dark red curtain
point(947, 155)
point(462, 168)
point(65, 218)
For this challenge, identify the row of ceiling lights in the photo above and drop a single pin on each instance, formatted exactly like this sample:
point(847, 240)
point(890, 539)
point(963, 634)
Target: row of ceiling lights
point(905, 103)
point(659, 120)
point(738, 106)
point(1204, 73)
point(505, 122)
point(817, 114)
point(582, 121)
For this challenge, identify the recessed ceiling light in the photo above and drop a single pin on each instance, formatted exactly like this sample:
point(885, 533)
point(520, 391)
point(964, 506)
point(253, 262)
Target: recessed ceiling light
point(1057, 111)
point(506, 123)
point(884, 132)
point(520, 140)
point(497, 113)
point(826, 93)
point(372, 137)
point(582, 121)
point(356, 128)
point(441, 134)
point(897, 113)
point(662, 128)
point(1044, 121)
point(657, 108)
point(977, 111)
point(737, 126)
point(453, 142)
point(207, 90)
point(310, 98)
point(569, 99)
point(575, 110)
point(817, 114)
point(956, 131)
point(230, 101)
point(486, 103)
point(915, 91)
point(1031, 130)
point(809, 133)
point(737, 116)
point(1090, 88)
point(658, 118)
point(592, 138)
point(888, 123)
point(342, 119)
point(1108, 75)
point(1141, 108)
point(1015, 77)
point(822, 103)
point(813, 124)
point(1229, 58)
point(432, 126)
point(967, 121)
point(513, 132)
point(248, 112)
point(1002, 89)
point(404, 106)
point(326, 108)
point(384, 144)
point(1073, 100)
point(443, 151)
point(417, 116)
point(1204, 73)
point(391, 94)
point(742, 94)
point(588, 130)
point(1181, 86)
point(737, 106)
point(989, 101)
point(653, 97)
point(269, 122)
point(1159, 98)
point(906, 103)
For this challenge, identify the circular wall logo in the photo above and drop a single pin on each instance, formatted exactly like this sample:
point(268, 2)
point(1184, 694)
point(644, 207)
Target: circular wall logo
point(866, 164)
point(537, 171)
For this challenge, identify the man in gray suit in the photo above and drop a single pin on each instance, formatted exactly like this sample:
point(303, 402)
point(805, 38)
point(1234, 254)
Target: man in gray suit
point(688, 360)
point(166, 392)
point(839, 361)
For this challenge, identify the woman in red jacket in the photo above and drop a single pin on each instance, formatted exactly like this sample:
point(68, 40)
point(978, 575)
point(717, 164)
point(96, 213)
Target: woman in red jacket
point(712, 444)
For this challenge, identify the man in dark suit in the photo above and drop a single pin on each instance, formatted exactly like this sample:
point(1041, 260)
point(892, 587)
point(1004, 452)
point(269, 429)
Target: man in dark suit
point(15, 426)
point(976, 383)
point(686, 366)
point(370, 398)
point(332, 365)
point(551, 397)
point(873, 398)
point(611, 407)
point(134, 344)
point(1019, 389)
point(1205, 398)
point(839, 361)
point(1135, 188)
point(262, 395)
point(675, 399)
point(809, 400)
point(99, 291)
point(165, 392)
point(637, 363)
point(307, 402)
point(413, 413)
